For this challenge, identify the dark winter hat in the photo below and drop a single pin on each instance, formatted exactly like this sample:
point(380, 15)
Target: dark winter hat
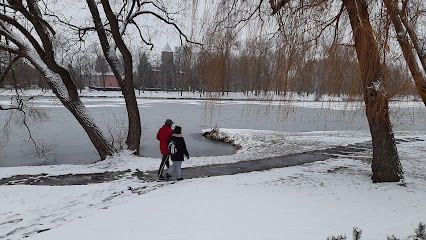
point(177, 130)
point(169, 122)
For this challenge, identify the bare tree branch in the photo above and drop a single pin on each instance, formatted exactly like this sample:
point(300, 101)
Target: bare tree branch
point(329, 23)
point(245, 20)
point(141, 36)
point(25, 32)
point(167, 22)
point(81, 30)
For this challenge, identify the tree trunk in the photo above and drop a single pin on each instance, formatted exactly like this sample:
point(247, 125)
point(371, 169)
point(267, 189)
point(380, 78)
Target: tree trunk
point(71, 101)
point(126, 83)
point(79, 111)
point(124, 78)
point(385, 164)
point(134, 131)
point(407, 49)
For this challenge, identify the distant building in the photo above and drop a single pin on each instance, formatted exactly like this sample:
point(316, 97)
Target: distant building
point(107, 80)
point(165, 75)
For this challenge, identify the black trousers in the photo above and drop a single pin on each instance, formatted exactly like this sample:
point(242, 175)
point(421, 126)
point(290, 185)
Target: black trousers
point(164, 161)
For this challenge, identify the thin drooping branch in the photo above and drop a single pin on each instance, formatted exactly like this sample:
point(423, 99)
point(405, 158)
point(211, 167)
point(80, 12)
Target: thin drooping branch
point(336, 29)
point(330, 22)
point(228, 14)
point(20, 108)
point(244, 20)
point(39, 150)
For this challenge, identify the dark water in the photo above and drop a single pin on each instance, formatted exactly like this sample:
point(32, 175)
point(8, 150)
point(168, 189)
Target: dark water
point(69, 144)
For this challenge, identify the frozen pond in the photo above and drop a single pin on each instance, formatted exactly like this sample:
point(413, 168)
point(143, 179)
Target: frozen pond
point(68, 142)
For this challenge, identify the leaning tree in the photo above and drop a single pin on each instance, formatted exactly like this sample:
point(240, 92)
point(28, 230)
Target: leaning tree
point(26, 33)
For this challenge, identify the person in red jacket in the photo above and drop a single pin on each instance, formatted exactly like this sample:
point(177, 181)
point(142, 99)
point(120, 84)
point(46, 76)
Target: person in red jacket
point(163, 136)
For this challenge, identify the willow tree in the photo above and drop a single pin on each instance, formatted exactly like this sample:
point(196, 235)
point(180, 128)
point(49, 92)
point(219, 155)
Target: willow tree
point(312, 28)
point(385, 164)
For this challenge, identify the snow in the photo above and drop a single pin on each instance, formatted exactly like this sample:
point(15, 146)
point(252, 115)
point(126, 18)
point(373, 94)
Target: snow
point(268, 98)
point(311, 201)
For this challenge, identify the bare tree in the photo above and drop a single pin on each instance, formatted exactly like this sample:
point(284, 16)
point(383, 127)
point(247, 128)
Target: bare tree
point(123, 76)
point(26, 34)
point(111, 36)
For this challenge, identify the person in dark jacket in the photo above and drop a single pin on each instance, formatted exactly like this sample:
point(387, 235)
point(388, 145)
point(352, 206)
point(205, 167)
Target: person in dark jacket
point(177, 158)
point(163, 135)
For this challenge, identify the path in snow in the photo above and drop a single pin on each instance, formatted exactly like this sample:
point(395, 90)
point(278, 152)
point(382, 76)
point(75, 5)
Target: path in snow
point(196, 172)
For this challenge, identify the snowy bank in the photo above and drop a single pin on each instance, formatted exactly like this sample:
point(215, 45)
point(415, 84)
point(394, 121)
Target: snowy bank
point(312, 201)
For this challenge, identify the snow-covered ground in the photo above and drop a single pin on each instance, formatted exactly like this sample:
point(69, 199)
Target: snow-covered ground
point(312, 201)
point(196, 95)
